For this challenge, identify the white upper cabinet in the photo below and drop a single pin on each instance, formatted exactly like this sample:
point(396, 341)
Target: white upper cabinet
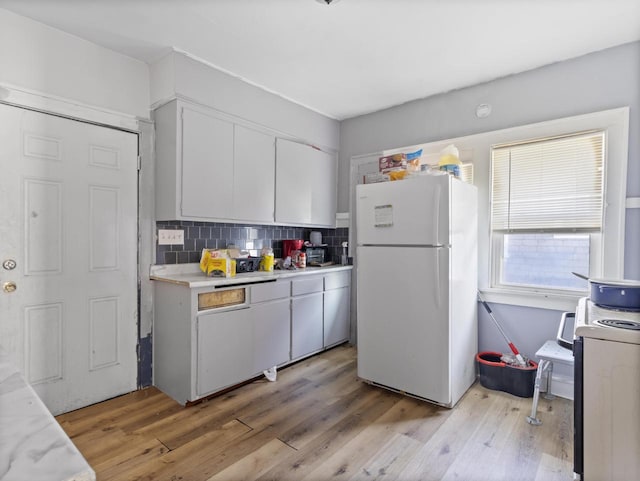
point(254, 175)
point(207, 166)
point(215, 167)
point(211, 168)
point(305, 185)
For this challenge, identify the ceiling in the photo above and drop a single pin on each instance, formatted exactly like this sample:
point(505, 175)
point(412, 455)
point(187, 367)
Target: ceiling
point(353, 56)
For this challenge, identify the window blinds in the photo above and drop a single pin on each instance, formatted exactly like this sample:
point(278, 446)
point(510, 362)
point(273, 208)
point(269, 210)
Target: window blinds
point(548, 185)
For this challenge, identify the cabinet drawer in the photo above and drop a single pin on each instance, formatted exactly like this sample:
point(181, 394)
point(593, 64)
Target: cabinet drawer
point(270, 291)
point(225, 298)
point(306, 286)
point(337, 280)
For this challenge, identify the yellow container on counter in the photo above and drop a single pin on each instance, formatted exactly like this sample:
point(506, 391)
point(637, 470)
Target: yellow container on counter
point(215, 263)
point(266, 263)
point(221, 267)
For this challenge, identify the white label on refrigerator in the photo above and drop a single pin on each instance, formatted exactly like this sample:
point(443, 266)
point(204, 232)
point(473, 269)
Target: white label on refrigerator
point(383, 215)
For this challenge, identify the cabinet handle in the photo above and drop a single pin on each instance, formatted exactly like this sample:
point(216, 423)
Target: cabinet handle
point(248, 283)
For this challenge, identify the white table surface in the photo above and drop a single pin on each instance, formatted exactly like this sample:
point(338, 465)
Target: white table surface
point(33, 446)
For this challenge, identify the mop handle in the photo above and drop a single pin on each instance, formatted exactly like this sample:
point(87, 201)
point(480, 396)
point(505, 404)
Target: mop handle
point(512, 346)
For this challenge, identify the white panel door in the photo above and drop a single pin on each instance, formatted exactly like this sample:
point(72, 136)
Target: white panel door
point(403, 320)
point(68, 192)
point(409, 212)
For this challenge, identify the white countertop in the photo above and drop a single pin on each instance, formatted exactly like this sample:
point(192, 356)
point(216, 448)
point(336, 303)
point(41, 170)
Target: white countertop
point(33, 446)
point(190, 275)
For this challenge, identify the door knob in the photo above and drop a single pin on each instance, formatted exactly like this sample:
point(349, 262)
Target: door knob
point(9, 286)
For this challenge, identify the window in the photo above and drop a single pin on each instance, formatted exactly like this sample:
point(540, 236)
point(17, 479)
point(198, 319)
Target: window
point(547, 211)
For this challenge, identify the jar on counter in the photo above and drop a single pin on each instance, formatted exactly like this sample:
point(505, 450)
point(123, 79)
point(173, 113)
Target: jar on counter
point(302, 260)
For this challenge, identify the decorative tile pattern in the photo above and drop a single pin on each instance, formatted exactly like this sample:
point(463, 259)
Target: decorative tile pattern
point(213, 235)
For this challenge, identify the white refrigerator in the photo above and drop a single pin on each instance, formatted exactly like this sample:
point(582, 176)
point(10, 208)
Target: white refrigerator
point(416, 263)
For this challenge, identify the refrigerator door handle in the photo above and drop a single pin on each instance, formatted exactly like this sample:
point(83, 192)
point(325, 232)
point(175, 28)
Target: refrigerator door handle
point(407, 246)
point(436, 217)
point(436, 275)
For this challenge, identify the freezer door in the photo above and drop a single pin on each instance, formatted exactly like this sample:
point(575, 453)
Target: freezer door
point(408, 212)
point(403, 320)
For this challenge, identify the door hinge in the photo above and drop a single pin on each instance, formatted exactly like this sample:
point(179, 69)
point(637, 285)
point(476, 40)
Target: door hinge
point(139, 163)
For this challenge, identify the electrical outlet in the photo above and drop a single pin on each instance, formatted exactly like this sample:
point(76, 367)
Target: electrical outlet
point(170, 237)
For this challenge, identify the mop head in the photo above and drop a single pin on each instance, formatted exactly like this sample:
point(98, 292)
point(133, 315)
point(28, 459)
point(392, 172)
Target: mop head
point(510, 359)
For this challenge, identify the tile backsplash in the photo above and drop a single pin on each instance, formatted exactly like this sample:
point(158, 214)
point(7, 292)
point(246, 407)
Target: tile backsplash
point(214, 235)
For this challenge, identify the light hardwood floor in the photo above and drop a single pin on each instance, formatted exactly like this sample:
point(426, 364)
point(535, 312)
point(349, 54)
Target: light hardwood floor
point(318, 421)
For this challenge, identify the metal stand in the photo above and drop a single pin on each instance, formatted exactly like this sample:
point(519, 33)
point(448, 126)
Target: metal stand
point(549, 352)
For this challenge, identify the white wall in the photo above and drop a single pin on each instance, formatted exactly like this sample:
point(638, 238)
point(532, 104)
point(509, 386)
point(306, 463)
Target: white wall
point(179, 75)
point(598, 81)
point(42, 59)
point(595, 82)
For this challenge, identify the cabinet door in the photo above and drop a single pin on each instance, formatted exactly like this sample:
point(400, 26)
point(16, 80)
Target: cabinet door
point(271, 334)
point(254, 175)
point(207, 166)
point(305, 185)
point(337, 324)
point(224, 354)
point(323, 188)
point(293, 183)
point(306, 325)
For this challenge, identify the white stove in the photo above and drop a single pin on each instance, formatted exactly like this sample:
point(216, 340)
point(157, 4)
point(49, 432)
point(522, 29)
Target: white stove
point(597, 322)
point(607, 393)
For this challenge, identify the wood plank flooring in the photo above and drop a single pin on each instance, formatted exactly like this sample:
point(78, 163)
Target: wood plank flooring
point(318, 421)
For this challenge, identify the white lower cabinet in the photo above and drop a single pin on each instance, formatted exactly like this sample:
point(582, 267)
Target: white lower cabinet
point(337, 307)
point(200, 348)
point(306, 325)
point(236, 345)
point(224, 355)
point(271, 334)
point(306, 316)
point(336, 316)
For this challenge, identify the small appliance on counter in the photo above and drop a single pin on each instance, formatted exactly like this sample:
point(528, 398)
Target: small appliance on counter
point(290, 245)
point(247, 264)
point(315, 238)
point(317, 255)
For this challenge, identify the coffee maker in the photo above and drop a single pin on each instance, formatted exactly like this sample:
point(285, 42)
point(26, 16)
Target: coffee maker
point(290, 245)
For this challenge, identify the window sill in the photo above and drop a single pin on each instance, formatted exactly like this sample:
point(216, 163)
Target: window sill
point(530, 298)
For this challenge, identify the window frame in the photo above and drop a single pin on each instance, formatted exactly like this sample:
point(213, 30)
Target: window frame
point(609, 245)
point(498, 236)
